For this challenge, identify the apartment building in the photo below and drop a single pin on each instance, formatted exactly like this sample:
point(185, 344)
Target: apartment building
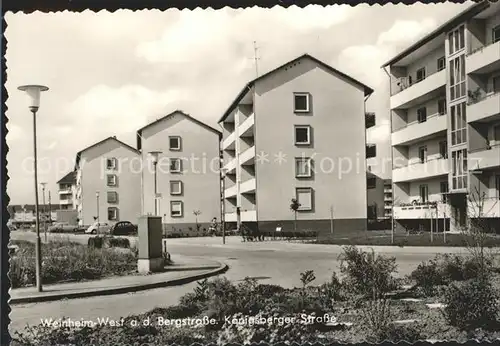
point(445, 106)
point(108, 183)
point(24, 215)
point(388, 199)
point(291, 133)
point(186, 190)
point(67, 192)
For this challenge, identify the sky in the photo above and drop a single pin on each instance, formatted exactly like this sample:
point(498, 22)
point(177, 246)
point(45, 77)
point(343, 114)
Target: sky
point(112, 73)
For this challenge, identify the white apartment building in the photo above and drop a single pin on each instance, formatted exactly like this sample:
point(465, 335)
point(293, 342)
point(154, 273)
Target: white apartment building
point(67, 192)
point(445, 119)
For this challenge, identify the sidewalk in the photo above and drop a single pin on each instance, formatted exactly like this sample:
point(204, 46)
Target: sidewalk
point(185, 270)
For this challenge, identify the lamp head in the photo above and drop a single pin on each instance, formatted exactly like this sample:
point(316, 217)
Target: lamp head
point(154, 155)
point(33, 92)
point(97, 194)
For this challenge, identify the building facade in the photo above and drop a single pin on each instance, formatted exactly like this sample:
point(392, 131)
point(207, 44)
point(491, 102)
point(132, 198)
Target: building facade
point(108, 183)
point(297, 132)
point(67, 192)
point(445, 106)
point(25, 216)
point(187, 172)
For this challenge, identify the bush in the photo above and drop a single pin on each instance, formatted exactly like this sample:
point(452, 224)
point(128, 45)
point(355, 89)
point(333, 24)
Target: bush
point(117, 242)
point(95, 242)
point(427, 276)
point(366, 273)
point(473, 305)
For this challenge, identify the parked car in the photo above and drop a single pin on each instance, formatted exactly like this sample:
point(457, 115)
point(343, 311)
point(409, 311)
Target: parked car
point(123, 228)
point(60, 227)
point(97, 228)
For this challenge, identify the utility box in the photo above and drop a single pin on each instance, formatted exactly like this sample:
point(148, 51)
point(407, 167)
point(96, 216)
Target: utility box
point(150, 244)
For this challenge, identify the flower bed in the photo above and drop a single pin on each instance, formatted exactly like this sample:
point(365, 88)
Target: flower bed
point(67, 261)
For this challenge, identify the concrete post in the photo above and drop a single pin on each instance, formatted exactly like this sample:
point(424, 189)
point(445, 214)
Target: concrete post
point(150, 244)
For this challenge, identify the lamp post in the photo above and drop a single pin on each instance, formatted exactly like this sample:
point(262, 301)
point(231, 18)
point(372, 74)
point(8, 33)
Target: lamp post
point(222, 208)
point(34, 92)
point(44, 211)
point(154, 155)
point(50, 211)
point(97, 205)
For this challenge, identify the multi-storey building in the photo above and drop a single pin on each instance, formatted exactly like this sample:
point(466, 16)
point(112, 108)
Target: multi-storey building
point(67, 192)
point(187, 171)
point(297, 131)
point(108, 183)
point(445, 105)
point(24, 215)
point(388, 199)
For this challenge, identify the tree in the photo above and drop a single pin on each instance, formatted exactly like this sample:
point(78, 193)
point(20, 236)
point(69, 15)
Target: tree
point(294, 206)
point(196, 213)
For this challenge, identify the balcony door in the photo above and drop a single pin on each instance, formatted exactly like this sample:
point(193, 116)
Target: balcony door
point(424, 193)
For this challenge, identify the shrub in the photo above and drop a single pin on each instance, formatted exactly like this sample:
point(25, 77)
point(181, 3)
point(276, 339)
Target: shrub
point(117, 242)
point(473, 305)
point(427, 276)
point(377, 318)
point(367, 273)
point(95, 242)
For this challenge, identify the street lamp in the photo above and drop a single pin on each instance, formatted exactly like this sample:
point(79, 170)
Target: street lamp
point(97, 205)
point(154, 155)
point(44, 211)
point(223, 172)
point(34, 92)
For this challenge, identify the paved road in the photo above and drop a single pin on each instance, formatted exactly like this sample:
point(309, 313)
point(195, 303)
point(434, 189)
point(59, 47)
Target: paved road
point(270, 262)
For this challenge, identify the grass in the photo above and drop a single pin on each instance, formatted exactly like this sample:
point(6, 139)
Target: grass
point(66, 262)
point(452, 240)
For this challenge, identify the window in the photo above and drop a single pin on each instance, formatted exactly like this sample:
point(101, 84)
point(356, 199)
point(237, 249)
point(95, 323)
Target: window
point(422, 154)
point(369, 120)
point(496, 34)
point(301, 102)
point(111, 163)
point(420, 74)
point(302, 167)
point(174, 143)
point(422, 115)
point(111, 180)
point(304, 197)
point(371, 151)
point(112, 197)
point(443, 149)
point(497, 185)
point(496, 84)
point(302, 135)
point(424, 193)
point(176, 187)
point(442, 107)
point(458, 124)
point(371, 183)
point(457, 78)
point(441, 64)
point(175, 165)
point(113, 214)
point(496, 133)
point(176, 208)
point(456, 40)
point(459, 169)
point(443, 188)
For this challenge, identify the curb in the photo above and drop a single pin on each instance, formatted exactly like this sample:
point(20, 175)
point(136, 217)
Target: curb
point(121, 290)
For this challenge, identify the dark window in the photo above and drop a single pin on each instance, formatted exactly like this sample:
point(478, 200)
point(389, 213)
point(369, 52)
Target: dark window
point(175, 165)
point(496, 84)
point(112, 197)
point(301, 102)
point(371, 183)
point(302, 135)
point(113, 214)
point(442, 107)
point(441, 63)
point(444, 190)
point(422, 154)
point(496, 34)
point(424, 193)
point(369, 120)
point(422, 115)
point(420, 74)
point(443, 149)
point(371, 150)
point(175, 143)
point(496, 132)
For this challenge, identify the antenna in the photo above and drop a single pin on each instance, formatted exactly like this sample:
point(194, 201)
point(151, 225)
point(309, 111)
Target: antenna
point(256, 58)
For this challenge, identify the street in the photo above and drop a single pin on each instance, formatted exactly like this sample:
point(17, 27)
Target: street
point(270, 262)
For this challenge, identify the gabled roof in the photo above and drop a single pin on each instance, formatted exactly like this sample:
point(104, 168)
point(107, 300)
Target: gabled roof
point(250, 84)
point(69, 178)
point(447, 26)
point(112, 138)
point(139, 132)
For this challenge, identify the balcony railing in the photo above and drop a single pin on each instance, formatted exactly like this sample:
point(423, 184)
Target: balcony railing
point(482, 106)
point(421, 210)
point(248, 186)
point(247, 156)
point(482, 57)
point(407, 95)
point(421, 170)
point(418, 129)
point(246, 127)
point(228, 143)
point(485, 157)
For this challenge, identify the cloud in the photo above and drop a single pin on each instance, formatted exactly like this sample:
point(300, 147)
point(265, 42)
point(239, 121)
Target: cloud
point(403, 31)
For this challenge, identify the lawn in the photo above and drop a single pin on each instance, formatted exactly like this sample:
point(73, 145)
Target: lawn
point(68, 262)
point(365, 302)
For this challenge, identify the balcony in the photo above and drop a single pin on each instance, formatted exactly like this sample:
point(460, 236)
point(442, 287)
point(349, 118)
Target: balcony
point(484, 60)
point(419, 171)
point(434, 126)
point(65, 191)
point(246, 128)
point(422, 211)
point(65, 202)
point(231, 191)
point(245, 216)
point(419, 92)
point(230, 167)
point(486, 109)
point(490, 208)
point(248, 186)
point(247, 157)
point(485, 158)
point(230, 142)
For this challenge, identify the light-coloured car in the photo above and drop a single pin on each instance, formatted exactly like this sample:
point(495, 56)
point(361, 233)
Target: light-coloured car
point(60, 227)
point(97, 228)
